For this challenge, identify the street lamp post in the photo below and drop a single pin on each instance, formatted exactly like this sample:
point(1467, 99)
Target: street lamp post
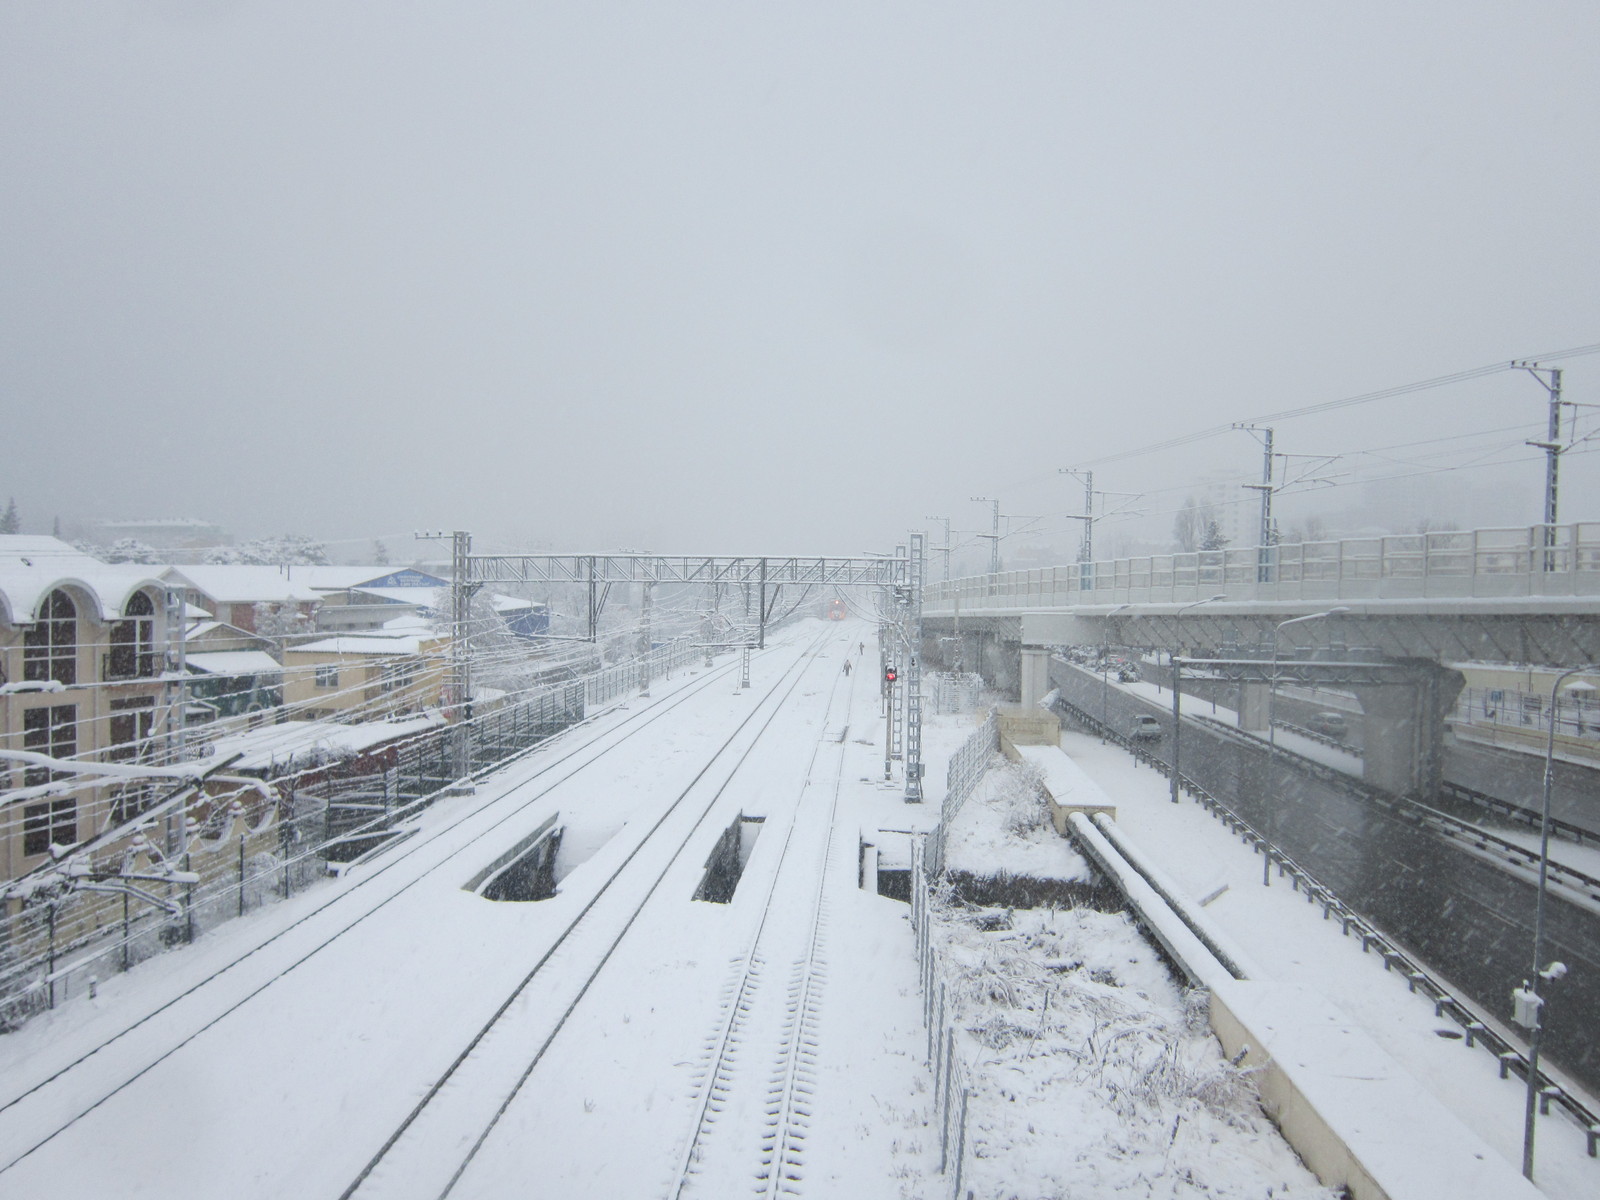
point(1532, 998)
point(1272, 731)
point(1173, 784)
point(1177, 723)
point(1105, 673)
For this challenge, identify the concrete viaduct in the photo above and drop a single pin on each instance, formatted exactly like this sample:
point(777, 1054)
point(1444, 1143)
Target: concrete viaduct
point(1381, 617)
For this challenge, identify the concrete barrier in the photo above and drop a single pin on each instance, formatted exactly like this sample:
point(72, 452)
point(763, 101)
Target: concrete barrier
point(1353, 1114)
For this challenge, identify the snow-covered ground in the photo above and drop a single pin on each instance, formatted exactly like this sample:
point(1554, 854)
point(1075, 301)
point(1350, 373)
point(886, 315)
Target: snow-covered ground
point(334, 1013)
point(1094, 1072)
point(276, 1055)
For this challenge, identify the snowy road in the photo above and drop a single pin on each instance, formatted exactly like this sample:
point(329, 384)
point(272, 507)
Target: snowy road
point(598, 1009)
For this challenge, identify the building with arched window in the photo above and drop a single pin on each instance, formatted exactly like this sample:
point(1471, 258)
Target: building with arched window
point(83, 655)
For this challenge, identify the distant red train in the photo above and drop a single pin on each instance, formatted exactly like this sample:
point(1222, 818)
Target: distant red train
point(835, 610)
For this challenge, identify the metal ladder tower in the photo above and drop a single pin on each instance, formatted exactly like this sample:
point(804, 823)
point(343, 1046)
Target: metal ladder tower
point(911, 640)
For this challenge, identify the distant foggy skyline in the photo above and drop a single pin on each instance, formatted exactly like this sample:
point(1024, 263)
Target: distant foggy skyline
point(723, 278)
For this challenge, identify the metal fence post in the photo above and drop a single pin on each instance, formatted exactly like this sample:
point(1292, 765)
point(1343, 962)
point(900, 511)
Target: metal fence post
point(961, 1143)
point(50, 916)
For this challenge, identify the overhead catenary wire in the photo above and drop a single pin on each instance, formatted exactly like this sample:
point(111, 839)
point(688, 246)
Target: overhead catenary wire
point(1306, 410)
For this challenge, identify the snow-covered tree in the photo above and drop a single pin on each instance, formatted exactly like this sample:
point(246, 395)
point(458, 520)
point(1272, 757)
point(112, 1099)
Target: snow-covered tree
point(131, 550)
point(280, 619)
point(1213, 538)
point(380, 552)
point(9, 521)
point(294, 549)
point(1189, 526)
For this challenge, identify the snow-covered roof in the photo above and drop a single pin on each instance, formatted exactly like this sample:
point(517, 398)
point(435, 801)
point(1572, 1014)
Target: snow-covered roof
point(208, 632)
point(234, 662)
point(378, 644)
point(244, 583)
point(410, 623)
point(32, 567)
point(505, 604)
point(261, 748)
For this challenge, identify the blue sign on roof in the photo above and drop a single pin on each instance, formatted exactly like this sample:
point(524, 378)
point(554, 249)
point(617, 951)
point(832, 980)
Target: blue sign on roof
point(406, 578)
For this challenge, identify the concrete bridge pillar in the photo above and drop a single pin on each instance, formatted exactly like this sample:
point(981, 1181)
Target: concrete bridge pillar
point(1035, 675)
point(1253, 707)
point(1403, 746)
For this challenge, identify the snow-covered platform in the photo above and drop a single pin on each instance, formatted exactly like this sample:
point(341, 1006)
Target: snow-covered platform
point(1370, 1084)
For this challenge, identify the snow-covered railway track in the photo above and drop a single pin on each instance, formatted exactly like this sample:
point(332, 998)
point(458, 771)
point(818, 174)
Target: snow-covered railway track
point(430, 1150)
point(752, 1116)
point(165, 1028)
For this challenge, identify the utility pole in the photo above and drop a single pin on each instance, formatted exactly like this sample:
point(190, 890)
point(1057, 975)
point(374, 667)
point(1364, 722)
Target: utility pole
point(947, 547)
point(994, 538)
point(1086, 548)
point(897, 659)
point(1552, 453)
point(744, 633)
point(460, 659)
point(645, 640)
point(1264, 554)
point(461, 590)
point(176, 699)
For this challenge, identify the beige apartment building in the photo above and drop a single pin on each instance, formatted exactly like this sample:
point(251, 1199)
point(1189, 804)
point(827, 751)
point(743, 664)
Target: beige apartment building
point(83, 648)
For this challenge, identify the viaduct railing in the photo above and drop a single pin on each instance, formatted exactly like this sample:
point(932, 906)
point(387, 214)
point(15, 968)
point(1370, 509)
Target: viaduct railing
point(1537, 560)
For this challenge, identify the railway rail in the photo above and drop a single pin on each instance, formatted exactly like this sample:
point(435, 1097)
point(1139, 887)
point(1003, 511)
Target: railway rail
point(465, 1104)
point(775, 1108)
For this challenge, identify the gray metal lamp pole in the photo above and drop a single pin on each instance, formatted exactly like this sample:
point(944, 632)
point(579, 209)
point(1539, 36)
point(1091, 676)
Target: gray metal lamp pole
point(1272, 730)
point(1539, 973)
point(1272, 683)
point(1174, 784)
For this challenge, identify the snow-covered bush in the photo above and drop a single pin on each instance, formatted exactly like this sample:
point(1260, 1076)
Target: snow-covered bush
point(1094, 1072)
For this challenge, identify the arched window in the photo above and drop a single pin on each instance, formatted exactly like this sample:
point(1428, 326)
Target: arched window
point(50, 648)
point(133, 641)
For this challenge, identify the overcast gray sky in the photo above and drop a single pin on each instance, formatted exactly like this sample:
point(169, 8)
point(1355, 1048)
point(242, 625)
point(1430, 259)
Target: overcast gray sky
point(739, 276)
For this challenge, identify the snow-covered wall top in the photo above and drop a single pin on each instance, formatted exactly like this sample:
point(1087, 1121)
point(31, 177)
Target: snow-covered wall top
point(33, 567)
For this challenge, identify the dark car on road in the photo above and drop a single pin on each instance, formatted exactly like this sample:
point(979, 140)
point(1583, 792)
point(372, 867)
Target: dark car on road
point(1328, 724)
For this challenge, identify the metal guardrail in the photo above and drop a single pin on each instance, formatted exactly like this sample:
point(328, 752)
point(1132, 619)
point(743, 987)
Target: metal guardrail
point(1447, 824)
point(1445, 1003)
point(1323, 738)
point(1478, 563)
point(1520, 813)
